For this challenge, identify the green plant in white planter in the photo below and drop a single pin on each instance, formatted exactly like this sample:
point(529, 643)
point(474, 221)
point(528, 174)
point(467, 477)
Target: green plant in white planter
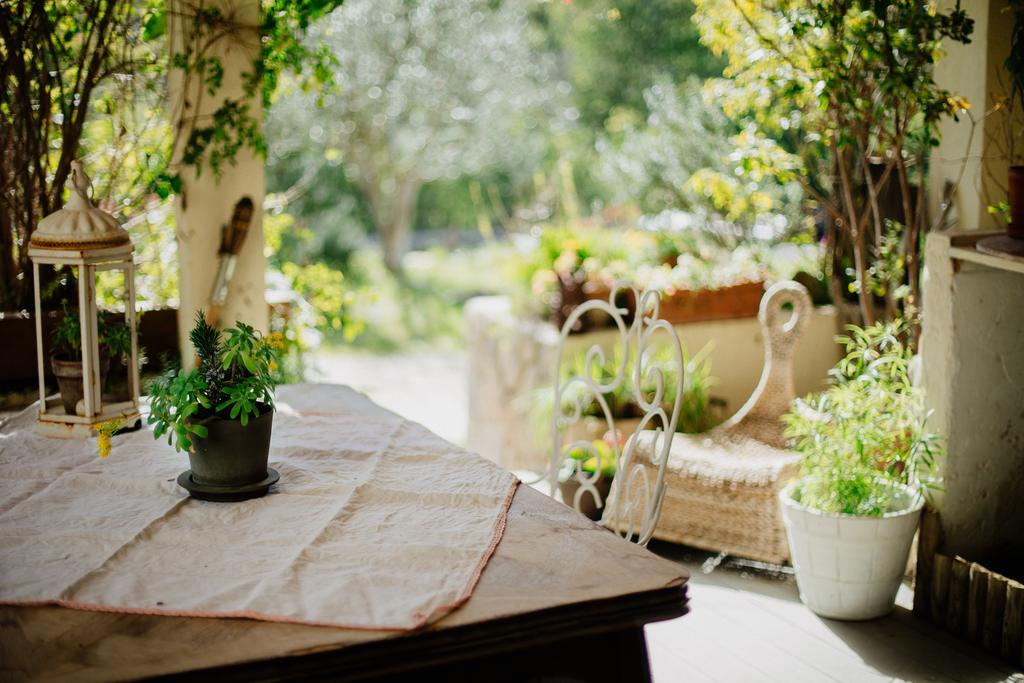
point(868, 462)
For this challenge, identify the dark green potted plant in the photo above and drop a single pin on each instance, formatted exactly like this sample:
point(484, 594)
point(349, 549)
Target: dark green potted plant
point(221, 412)
point(66, 359)
point(116, 345)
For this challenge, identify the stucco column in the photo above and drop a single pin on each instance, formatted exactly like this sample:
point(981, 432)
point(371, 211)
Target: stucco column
point(974, 71)
point(207, 200)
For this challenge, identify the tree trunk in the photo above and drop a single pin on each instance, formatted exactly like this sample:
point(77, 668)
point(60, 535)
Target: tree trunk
point(35, 92)
point(854, 227)
point(394, 214)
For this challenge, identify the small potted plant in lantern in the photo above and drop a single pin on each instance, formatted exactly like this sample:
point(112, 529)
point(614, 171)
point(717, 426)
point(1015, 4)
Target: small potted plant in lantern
point(115, 348)
point(868, 459)
point(66, 360)
point(221, 413)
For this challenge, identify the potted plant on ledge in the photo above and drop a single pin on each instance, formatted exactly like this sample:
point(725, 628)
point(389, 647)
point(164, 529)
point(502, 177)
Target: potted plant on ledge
point(867, 463)
point(221, 413)
point(583, 463)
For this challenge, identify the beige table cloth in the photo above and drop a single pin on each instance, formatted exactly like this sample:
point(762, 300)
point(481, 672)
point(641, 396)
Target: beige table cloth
point(376, 523)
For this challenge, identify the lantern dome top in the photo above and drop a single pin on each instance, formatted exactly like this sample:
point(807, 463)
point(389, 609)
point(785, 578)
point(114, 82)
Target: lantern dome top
point(79, 225)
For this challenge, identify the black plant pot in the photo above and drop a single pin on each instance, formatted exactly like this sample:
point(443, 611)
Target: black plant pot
point(232, 455)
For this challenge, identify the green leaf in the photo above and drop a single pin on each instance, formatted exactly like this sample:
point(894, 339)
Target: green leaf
point(155, 26)
point(249, 364)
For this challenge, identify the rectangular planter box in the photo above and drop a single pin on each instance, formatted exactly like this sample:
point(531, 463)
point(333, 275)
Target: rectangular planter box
point(686, 306)
point(726, 303)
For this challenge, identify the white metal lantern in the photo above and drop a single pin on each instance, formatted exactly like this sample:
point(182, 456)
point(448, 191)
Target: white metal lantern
point(83, 237)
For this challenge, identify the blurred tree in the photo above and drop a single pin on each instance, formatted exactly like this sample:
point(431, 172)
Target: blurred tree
point(613, 50)
point(53, 59)
point(681, 157)
point(610, 52)
point(89, 78)
point(429, 90)
point(849, 89)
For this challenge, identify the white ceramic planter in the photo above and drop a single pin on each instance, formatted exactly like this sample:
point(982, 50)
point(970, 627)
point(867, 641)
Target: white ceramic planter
point(849, 567)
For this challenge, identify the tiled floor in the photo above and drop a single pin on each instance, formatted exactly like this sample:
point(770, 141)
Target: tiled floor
point(749, 626)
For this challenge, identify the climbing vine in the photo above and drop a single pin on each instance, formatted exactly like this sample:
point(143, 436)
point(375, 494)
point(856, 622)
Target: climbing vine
point(211, 140)
point(90, 78)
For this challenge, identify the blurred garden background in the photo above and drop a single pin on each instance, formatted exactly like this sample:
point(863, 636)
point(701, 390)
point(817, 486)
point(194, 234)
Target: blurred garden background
point(420, 153)
point(466, 146)
point(469, 146)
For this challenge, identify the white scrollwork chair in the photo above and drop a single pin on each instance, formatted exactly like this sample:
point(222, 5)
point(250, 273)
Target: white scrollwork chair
point(634, 501)
point(723, 486)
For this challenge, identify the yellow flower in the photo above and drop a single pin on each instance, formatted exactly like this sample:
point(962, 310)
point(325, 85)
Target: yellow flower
point(957, 103)
point(276, 340)
point(104, 431)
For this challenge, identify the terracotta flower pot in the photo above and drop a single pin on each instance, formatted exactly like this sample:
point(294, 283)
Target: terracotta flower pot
point(232, 454)
point(725, 303)
point(69, 380)
point(575, 289)
point(1015, 228)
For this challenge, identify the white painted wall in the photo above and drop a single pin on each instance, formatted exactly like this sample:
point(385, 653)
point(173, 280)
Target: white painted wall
point(973, 372)
point(975, 72)
point(206, 202)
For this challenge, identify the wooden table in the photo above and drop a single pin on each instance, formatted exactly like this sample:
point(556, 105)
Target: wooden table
point(560, 597)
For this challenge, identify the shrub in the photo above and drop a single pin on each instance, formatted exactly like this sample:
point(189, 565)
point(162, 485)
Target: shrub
point(865, 433)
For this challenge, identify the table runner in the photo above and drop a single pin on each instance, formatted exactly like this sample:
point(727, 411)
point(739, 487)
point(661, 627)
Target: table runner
point(376, 523)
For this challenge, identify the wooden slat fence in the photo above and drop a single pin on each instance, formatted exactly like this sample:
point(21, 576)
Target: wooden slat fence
point(966, 599)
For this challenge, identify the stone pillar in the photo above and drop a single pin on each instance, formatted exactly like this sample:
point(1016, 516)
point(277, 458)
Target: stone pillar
point(509, 359)
point(206, 201)
point(974, 71)
point(973, 375)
